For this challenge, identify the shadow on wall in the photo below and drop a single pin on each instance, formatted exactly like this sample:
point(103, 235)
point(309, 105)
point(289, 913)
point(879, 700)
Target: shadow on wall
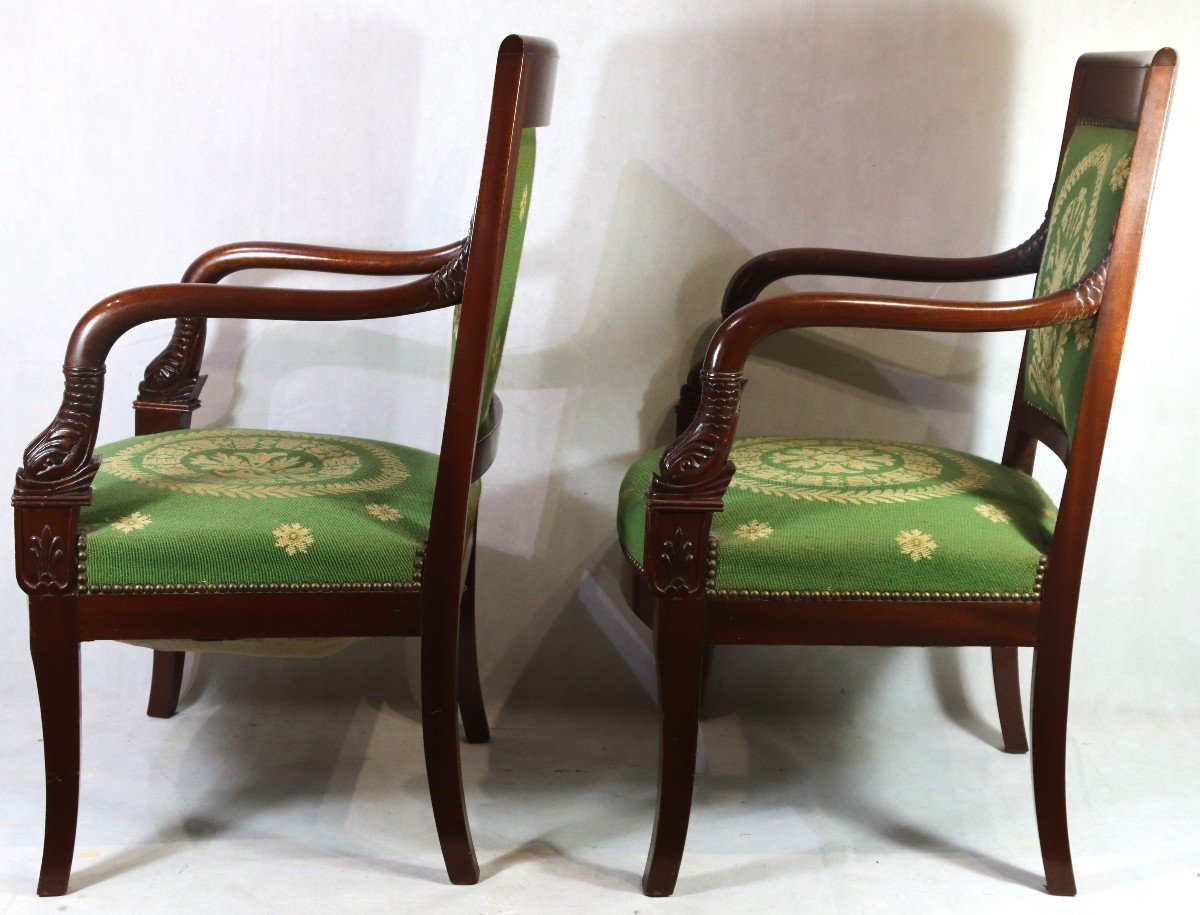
point(367, 178)
point(328, 163)
point(832, 128)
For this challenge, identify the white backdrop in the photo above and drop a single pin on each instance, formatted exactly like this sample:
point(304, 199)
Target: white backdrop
point(686, 137)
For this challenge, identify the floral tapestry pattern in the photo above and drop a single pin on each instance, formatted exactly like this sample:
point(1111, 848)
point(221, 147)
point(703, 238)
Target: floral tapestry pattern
point(1086, 202)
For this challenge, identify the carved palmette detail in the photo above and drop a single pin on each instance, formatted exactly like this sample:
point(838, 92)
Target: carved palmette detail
point(47, 565)
point(59, 461)
point(171, 377)
point(703, 450)
point(676, 569)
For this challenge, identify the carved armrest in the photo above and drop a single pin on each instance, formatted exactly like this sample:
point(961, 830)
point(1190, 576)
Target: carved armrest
point(58, 464)
point(213, 266)
point(172, 380)
point(695, 470)
point(756, 274)
point(759, 272)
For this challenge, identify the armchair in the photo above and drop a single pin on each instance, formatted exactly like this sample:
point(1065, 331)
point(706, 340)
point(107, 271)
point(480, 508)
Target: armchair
point(265, 542)
point(779, 541)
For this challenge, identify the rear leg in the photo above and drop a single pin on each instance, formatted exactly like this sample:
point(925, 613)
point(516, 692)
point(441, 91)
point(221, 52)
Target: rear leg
point(1006, 675)
point(470, 692)
point(165, 682)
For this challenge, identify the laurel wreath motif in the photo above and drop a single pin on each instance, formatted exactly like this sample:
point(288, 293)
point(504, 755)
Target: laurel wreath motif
point(257, 465)
point(852, 472)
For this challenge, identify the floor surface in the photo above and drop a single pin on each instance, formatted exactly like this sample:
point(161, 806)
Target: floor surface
point(275, 796)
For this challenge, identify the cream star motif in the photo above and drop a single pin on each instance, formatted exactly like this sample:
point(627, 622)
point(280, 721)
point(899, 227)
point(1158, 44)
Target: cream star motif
point(754, 530)
point(294, 538)
point(132, 522)
point(1120, 173)
point(384, 512)
point(993, 514)
point(915, 544)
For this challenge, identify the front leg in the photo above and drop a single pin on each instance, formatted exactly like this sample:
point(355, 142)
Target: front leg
point(679, 649)
point(55, 648)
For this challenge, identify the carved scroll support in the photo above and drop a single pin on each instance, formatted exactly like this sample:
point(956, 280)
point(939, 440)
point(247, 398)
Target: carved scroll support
point(58, 466)
point(55, 480)
point(689, 487)
point(170, 390)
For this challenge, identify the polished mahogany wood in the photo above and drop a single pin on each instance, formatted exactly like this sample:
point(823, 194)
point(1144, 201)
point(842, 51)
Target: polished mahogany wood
point(760, 272)
point(165, 682)
point(695, 470)
point(470, 691)
point(219, 263)
point(54, 644)
point(749, 325)
point(1006, 678)
point(58, 467)
point(860, 622)
point(679, 645)
point(852, 622)
point(524, 78)
point(299, 614)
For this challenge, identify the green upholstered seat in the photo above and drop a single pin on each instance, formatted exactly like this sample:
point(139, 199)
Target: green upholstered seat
point(1087, 198)
point(244, 509)
point(828, 518)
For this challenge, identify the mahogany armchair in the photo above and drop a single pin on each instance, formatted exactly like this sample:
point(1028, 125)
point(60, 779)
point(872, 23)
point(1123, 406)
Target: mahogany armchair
point(780, 541)
point(272, 542)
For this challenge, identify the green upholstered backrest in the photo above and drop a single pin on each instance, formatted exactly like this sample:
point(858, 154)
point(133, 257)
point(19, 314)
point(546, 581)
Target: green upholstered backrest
point(514, 243)
point(1087, 199)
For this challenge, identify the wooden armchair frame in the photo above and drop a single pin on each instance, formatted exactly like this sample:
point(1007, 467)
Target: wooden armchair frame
point(55, 480)
point(670, 594)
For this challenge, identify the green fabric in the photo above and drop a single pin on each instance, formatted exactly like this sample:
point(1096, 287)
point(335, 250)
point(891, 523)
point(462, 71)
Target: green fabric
point(1087, 199)
point(518, 216)
point(217, 508)
point(819, 516)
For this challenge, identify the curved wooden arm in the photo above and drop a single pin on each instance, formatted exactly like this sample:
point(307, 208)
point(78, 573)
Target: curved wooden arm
point(756, 274)
point(213, 266)
point(738, 334)
point(695, 470)
point(172, 379)
point(58, 466)
point(759, 272)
